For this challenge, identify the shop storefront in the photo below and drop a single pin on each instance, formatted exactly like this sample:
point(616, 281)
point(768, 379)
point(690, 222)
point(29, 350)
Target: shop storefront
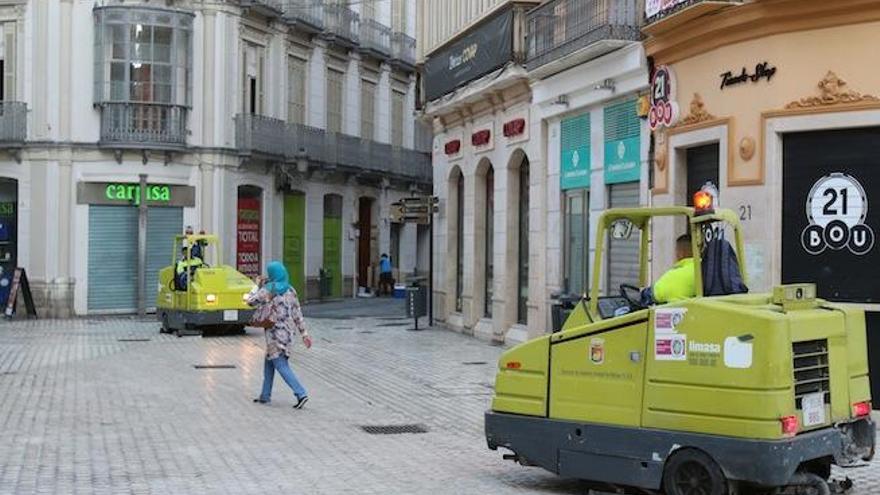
point(785, 120)
point(113, 230)
point(249, 231)
point(8, 235)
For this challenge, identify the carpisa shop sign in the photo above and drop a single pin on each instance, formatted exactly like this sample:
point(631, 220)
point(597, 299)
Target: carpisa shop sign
point(486, 48)
point(129, 194)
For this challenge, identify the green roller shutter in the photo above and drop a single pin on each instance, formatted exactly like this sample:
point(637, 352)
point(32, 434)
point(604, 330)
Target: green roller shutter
point(622, 143)
point(113, 233)
point(162, 225)
point(574, 142)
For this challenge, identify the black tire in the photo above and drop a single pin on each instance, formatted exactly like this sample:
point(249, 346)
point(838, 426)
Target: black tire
point(692, 472)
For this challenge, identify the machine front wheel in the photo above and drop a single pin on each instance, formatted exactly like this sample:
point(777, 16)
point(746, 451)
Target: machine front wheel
point(166, 328)
point(692, 472)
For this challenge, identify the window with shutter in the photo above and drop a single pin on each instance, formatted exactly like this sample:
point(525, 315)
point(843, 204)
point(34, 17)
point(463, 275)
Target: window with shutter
point(398, 104)
point(334, 100)
point(575, 152)
point(296, 90)
point(368, 106)
point(253, 65)
point(7, 36)
point(622, 142)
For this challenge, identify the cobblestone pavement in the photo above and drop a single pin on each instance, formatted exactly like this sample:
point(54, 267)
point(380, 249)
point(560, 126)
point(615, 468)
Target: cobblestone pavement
point(111, 406)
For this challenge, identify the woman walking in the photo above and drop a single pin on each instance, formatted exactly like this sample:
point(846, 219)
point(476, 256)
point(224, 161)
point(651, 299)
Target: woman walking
point(278, 311)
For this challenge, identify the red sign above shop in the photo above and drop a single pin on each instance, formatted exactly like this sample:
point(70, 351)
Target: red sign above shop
point(516, 127)
point(481, 138)
point(452, 147)
point(248, 258)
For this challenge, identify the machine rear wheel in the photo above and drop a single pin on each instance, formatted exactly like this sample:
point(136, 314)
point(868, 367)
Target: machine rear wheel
point(691, 472)
point(166, 328)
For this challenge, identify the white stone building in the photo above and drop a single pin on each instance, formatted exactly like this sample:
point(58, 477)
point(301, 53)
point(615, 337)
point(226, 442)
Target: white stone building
point(285, 127)
point(547, 81)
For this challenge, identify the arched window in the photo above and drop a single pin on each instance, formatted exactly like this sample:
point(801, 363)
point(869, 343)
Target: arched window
point(490, 242)
point(523, 247)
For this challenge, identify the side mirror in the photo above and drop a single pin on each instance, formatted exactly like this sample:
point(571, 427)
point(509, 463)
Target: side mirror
point(621, 230)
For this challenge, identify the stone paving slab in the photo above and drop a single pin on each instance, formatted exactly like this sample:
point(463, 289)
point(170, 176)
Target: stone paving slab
point(82, 411)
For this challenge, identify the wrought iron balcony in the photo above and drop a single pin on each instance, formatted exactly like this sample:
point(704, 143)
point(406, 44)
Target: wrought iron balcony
point(257, 135)
point(341, 25)
point(13, 124)
point(143, 126)
point(559, 28)
point(375, 39)
point(268, 8)
point(306, 15)
point(671, 14)
point(403, 52)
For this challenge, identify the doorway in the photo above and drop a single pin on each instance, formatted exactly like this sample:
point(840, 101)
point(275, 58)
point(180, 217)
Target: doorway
point(703, 163)
point(365, 236)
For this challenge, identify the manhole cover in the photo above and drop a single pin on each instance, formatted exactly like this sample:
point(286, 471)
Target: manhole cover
point(474, 363)
point(394, 429)
point(214, 366)
point(133, 340)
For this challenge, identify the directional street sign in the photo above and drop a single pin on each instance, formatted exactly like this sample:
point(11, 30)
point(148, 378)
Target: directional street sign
point(414, 210)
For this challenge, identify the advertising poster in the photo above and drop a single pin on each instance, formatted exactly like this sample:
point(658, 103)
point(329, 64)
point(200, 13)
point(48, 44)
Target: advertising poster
point(248, 238)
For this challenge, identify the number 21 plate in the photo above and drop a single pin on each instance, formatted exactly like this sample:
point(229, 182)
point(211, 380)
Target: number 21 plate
point(813, 406)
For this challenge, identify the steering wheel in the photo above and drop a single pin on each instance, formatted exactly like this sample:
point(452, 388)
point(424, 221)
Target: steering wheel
point(627, 291)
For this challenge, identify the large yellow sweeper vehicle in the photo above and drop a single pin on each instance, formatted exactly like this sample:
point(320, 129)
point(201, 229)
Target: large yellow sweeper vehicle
point(198, 292)
point(698, 397)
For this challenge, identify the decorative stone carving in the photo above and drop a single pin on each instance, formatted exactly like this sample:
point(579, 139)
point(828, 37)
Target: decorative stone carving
point(660, 151)
point(832, 91)
point(747, 148)
point(698, 112)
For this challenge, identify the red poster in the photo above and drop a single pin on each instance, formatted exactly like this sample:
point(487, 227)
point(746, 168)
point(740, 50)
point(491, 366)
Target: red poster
point(248, 259)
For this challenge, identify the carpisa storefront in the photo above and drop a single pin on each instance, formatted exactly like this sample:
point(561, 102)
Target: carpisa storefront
point(785, 119)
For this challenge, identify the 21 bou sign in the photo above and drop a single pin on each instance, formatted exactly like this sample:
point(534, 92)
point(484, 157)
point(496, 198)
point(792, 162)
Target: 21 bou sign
point(837, 207)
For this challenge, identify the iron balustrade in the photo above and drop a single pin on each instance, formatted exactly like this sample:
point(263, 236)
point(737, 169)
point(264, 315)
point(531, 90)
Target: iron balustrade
point(403, 49)
point(341, 24)
point(375, 37)
point(308, 14)
point(143, 125)
point(560, 27)
point(13, 123)
point(266, 7)
point(275, 138)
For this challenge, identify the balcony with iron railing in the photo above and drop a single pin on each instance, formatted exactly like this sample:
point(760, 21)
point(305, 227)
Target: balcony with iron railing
point(268, 8)
point(143, 126)
point(13, 124)
point(672, 14)
point(589, 28)
point(375, 39)
point(306, 15)
point(257, 135)
point(341, 25)
point(403, 52)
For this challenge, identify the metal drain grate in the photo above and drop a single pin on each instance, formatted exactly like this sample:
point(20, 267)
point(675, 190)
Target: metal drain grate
point(214, 366)
point(366, 332)
point(133, 340)
point(402, 324)
point(474, 363)
point(394, 429)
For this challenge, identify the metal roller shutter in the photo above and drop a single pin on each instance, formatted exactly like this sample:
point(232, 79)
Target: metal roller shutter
point(113, 232)
point(162, 225)
point(623, 255)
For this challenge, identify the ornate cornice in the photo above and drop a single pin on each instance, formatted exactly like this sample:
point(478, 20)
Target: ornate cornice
point(832, 91)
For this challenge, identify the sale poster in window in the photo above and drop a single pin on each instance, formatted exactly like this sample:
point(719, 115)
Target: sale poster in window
point(248, 258)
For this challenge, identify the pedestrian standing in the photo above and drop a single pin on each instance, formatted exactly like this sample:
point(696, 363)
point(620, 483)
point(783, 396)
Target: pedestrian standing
point(386, 278)
point(278, 311)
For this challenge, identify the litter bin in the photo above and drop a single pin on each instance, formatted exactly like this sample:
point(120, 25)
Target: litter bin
point(416, 301)
point(563, 305)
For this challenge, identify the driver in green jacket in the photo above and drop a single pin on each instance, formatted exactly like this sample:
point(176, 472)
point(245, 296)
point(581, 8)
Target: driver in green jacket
point(678, 282)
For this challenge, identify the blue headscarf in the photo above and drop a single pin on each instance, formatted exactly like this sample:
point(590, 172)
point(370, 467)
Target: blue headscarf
point(279, 282)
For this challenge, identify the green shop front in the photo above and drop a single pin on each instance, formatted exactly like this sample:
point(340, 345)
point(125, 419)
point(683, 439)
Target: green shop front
point(113, 231)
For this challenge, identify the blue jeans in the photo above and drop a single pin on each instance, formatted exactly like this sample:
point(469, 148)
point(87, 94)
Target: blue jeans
point(283, 367)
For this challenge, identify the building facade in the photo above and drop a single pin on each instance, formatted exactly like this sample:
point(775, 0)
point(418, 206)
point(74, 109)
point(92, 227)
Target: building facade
point(525, 99)
point(284, 127)
point(784, 117)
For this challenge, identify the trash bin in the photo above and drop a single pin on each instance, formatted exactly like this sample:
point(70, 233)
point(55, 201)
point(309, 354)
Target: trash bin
point(416, 302)
point(399, 291)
